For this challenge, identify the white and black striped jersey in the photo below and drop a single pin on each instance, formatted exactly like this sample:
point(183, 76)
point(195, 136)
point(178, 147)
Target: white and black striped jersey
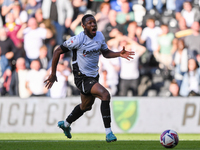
point(86, 52)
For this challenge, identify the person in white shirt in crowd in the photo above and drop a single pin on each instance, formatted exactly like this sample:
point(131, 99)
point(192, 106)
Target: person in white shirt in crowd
point(18, 81)
point(129, 73)
point(149, 35)
point(33, 38)
point(59, 89)
point(190, 14)
point(20, 15)
point(35, 79)
point(180, 62)
point(191, 80)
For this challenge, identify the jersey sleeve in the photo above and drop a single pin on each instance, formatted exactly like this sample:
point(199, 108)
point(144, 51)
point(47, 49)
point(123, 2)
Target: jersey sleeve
point(72, 43)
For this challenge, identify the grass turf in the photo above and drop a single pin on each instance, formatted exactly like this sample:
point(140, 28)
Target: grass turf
point(51, 141)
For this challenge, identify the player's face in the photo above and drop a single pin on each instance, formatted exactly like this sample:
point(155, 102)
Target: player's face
point(90, 27)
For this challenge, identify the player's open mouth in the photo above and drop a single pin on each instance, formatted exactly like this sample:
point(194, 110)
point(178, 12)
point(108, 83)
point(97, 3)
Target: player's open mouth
point(94, 30)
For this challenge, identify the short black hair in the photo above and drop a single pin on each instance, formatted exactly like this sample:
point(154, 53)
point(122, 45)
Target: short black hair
point(85, 17)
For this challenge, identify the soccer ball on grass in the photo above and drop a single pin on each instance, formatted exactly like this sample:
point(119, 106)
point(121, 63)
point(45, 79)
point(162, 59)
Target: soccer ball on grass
point(169, 139)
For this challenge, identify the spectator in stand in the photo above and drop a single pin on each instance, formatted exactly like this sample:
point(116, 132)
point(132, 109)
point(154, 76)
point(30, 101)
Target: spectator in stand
point(131, 29)
point(149, 35)
point(93, 5)
point(174, 88)
point(7, 6)
point(39, 16)
point(192, 41)
point(149, 5)
point(20, 15)
point(180, 62)
point(102, 16)
point(12, 28)
point(31, 7)
point(182, 30)
point(179, 7)
point(33, 39)
point(18, 81)
point(7, 46)
point(112, 26)
point(35, 79)
point(80, 7)
point(129, 73)
point(125, 15)
point(43, 57)
point(116, 5)
point(191, 80)
point(59, 89)
point(190, 14)
point(76, 25)
point(5, 71)
point(165, 49)
point(60, 12)
point(46, 23)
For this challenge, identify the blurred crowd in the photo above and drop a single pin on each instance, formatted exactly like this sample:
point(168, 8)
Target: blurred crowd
point(163, 33)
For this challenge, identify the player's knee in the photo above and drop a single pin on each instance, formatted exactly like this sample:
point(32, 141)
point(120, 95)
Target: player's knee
point(106, 96)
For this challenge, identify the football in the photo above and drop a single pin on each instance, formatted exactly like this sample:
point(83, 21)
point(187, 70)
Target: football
point(169, 139)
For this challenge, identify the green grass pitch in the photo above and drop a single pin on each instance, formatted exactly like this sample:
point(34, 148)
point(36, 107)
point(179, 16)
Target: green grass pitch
point(57, 141)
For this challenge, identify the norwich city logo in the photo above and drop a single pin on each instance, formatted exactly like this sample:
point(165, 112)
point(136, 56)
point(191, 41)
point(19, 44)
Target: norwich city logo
point(125, 113)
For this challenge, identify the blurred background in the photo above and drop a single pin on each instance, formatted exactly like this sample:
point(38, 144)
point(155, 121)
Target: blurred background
point(163, 33)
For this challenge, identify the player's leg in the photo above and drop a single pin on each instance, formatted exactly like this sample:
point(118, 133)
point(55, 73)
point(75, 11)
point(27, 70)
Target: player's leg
point(78, 111)
point(87, 102)
point(99, 91)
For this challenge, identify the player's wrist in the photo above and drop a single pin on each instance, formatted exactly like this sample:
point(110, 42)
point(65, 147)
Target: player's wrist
point(53, 74)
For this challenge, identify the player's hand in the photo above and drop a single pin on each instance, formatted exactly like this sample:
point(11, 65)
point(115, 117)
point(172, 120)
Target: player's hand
point(50, 81)
point(126, 54)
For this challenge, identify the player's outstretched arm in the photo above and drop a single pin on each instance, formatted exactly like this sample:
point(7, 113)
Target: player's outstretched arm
point(52, 77)
point(125, 54)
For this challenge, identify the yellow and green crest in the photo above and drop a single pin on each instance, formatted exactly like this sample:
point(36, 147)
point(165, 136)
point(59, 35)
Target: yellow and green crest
point(125, 113)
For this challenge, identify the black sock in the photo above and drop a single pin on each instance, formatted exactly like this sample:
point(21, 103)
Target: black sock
point(75, 114)
point(105, 112)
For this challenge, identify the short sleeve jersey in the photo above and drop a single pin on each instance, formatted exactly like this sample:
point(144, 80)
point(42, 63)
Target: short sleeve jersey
point(86, 52)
